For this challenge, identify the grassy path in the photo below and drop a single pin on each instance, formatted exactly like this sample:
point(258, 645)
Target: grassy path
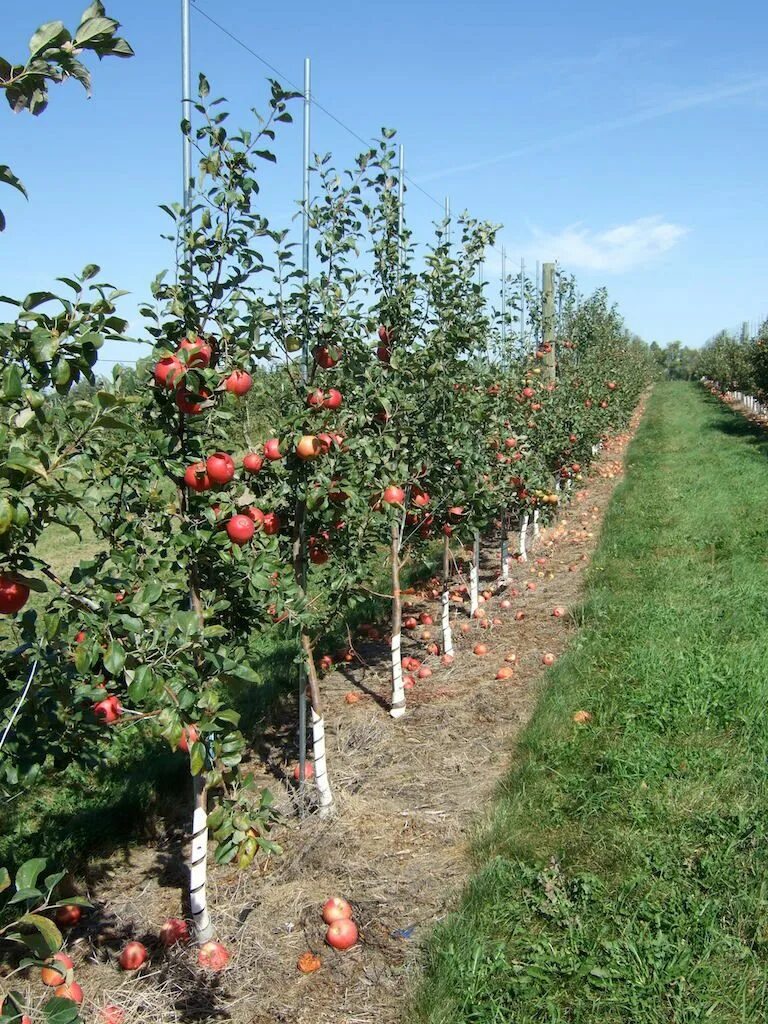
point(623, 876)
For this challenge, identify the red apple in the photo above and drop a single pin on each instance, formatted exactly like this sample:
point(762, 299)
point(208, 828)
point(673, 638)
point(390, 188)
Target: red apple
point(309, 447)
point(212, 956)
point(548, 659)
point(480, 650)
point(69, 990)
point(173, 932)
point(336, 909)
point(324, 358)
point(394, 495)
point(55, 969)
point(196, 478)
point(239, 383)
point(256, 515)
point(189, 404)
point(189, 735)
point(68, 916)
point(112, 1015)
point(252, 462)
point(133, 956)
point(272, 449)
point(385, 335)
point(318, 555)
point(384, 354)
point(108, 710)
point(309, 771)
point(169, 372)
point(220, 468)
point(424, 672)
point(558, 612)
point(13, 594)
point(342, 934)
point(333, 399)
point(198, 352)
point(271, 524)
point(240, 529)
point(316, 398)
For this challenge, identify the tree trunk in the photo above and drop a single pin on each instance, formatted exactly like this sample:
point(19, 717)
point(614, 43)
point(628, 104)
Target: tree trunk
point(324, 791)
point(447, 636)
point(523, 538)
point(504, 551)
point(198, 868)
point(397, 706)
point(474, 575)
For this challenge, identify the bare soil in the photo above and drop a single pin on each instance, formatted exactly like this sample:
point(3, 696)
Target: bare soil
point(409, 795)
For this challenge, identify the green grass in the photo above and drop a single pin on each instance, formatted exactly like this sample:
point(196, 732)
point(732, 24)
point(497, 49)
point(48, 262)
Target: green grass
point(623, 874)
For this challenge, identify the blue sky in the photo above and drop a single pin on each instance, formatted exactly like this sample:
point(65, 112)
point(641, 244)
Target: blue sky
point(626, 141)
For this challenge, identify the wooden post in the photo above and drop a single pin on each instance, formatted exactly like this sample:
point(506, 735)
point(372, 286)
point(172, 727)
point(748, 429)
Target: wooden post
point(548, 318)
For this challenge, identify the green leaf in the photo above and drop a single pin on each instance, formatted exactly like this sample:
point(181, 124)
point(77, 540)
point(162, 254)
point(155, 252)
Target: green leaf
point(53, 33)
point(216, 818)
point(83, 658)
point(23, 895)
point(5, 879)
point(269, 846)
point(142, 683)
point(48, 931)
point(35, 299)
point(7, 177)
point(12, 381)
point(95, 10)
point(61, 1011)
point(197, 756)
point(114, 659)
point(28, 873)
point(121, 48)
point(26, 464)
point(92, 28)
point(6, 515)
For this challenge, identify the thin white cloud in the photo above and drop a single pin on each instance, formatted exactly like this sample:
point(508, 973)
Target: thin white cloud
point(616, 250)
point(672, 105)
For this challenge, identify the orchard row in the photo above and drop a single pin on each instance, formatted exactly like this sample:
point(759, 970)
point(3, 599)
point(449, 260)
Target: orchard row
point(292, 441)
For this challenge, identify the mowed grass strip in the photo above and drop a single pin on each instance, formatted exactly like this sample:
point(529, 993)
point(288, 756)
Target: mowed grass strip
point(623, 875)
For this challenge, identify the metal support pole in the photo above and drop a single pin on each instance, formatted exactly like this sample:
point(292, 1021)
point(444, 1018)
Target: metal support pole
point(537, 336)
point(400, 205)
point(522, 306)
point(503, 301)
point(305, 376)
point(548, 318)
point(448, 219)
point(186, 98)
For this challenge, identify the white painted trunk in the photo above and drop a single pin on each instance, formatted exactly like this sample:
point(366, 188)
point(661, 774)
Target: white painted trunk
point(198, 867)
point(324, 792)
point(397, 708)
point(524, 538)
point(445, 623)
point(536, 530)
point(474, 587)
point(504, 557)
